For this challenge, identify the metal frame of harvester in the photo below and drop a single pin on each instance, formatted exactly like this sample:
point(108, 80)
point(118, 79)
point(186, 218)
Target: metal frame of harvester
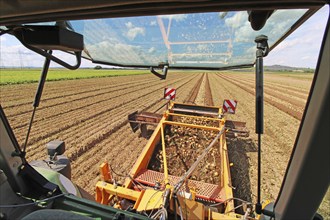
point(164, 190)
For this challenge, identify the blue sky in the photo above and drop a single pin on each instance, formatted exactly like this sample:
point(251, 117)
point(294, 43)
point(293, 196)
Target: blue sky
point(301, 49)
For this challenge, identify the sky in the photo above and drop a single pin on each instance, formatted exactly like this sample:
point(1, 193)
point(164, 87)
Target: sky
point(300, 49)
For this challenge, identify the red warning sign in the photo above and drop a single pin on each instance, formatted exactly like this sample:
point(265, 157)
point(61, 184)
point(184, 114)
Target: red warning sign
point(229, 106)
point(169, 93)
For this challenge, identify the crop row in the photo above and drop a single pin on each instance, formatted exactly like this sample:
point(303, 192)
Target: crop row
point(97, 124)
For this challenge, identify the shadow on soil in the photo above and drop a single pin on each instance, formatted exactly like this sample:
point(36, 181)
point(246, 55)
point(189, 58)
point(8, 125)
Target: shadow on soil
point(237, 153)
point(148, 133)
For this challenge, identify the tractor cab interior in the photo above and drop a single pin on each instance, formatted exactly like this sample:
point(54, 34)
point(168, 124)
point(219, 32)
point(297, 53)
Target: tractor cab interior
point(184, 35)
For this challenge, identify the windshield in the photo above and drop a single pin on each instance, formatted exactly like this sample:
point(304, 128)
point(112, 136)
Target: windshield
point(213, 40)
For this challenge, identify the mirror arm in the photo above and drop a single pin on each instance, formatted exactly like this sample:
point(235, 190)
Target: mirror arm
point(49, 56)
point(55, 59)
point(161, 76)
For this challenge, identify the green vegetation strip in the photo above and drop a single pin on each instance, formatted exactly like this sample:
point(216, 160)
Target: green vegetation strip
point(19, 76)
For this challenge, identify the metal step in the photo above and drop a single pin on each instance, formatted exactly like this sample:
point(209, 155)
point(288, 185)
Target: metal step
point(204, 191)
point(236, 129)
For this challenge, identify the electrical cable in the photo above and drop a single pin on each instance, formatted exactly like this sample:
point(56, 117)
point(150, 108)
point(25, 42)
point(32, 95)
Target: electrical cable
point(227, 200)
point(36, 202)
point(133, 180)
point(137, 186)
point(160, 212)
point(234, 208)
point(154, 204)
point(121, 175)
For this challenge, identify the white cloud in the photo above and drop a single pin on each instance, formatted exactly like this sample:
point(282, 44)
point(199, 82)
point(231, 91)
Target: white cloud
point(296, 41)
point(306, 58)
point(133, 31)
point(238, 20)
point(202, 47)
point(114, 48)
point(153, 23)
point(276, 25)
point(129, 25)
point(179, 17)
point(251, 50)
point(298, 52)
point(301, 49)
point(123, 53)
point(222, 15)
point(14, 54)
point(3, 39)
point(17, 54)
point(151, 50)
point(116, 52)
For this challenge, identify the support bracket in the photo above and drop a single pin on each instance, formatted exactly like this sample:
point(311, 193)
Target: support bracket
point(162, 75)
point(41, 38)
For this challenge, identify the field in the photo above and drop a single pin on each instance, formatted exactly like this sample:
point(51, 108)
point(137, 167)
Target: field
point(17, 76)
point(90, 115)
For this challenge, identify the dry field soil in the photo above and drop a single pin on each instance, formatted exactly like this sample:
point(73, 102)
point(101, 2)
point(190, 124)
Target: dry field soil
point(90, 115)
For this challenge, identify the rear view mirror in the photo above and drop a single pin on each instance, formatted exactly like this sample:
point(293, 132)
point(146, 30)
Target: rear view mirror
point(42, 38)
point(52, 38)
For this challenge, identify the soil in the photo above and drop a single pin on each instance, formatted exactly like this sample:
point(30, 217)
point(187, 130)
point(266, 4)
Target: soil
point(280, 129)
point(288, 105)
point(90, 115)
